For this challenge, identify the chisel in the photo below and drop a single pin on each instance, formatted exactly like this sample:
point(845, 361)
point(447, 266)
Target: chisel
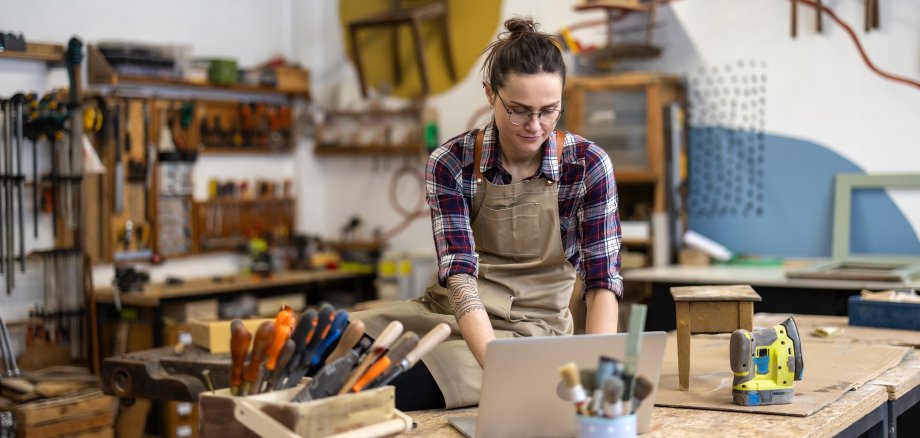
point(431, 339)
point(330, 378)
point(265, 334)
point(352, 334)
point(400, 349)
point(300, 364)
point(284, 324)
point(335, 332)
point(378, 348)
point(280, 371)
point(239, 346)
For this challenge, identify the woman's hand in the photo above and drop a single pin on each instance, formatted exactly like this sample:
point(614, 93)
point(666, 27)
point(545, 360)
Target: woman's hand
point(471, 314)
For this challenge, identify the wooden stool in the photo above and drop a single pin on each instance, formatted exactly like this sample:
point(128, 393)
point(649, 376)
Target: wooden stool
point(709, 309)
point(412, 17)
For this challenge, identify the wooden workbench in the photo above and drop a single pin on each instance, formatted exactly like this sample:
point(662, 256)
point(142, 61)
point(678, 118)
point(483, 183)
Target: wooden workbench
point(154, 293)
point(866, 402)
point(875, 405)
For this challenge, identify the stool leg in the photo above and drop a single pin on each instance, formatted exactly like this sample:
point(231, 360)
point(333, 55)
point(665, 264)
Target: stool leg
point(397, 66)
point(746, 315)
point(448, 52)
point(353, 30)
point(420, 53)
point(683, 345)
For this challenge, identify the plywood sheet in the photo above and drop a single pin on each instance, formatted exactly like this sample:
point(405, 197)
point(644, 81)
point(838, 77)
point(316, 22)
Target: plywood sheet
point(831, 369)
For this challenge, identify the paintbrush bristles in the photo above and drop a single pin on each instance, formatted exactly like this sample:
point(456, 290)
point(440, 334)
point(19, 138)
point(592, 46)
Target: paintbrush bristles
point(643, 388)
point(569, 373)
point(613, 389)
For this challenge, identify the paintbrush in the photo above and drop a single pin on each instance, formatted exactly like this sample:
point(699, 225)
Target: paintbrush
point(570, 375)
point(613, 395)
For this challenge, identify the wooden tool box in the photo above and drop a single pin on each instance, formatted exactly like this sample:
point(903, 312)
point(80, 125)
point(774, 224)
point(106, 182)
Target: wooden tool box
point(370, 413)
point(86, 414)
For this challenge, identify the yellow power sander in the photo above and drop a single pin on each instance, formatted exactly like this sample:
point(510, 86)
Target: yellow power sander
point(766, 363)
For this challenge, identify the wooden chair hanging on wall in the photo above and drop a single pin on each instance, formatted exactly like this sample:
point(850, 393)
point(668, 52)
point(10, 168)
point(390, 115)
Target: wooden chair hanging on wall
point(412, 16)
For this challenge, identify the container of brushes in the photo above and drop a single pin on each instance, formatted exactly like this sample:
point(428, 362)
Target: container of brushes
point(623, 426)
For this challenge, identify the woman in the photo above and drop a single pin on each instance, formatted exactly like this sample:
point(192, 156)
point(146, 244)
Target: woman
point(515, 206)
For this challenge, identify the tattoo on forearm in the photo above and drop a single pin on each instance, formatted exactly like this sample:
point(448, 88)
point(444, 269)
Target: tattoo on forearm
point(464, 295)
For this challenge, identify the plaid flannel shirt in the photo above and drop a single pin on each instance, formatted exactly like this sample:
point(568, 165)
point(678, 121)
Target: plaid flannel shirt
point(588, 215)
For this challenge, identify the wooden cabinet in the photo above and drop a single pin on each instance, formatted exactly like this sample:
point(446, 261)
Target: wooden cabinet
point(629, 116)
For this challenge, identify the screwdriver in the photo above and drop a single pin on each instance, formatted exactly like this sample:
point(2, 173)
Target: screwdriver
point(378, 348)
point(431, 339)
point(403, 346)
point(264, 336)
point(239, 345)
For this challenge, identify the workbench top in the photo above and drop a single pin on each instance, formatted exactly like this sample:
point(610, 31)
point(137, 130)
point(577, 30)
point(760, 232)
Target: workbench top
point(675, 422)
point(154, 292)
point(773, 276)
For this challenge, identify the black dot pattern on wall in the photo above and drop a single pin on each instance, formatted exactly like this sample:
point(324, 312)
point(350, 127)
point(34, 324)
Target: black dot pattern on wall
point(727, 114)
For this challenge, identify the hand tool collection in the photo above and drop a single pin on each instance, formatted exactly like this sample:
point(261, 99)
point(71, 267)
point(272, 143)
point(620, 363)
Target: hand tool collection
point(252, 125)
point(10, 369)
point(59, 321)
point(237, 210)
point(326, 346)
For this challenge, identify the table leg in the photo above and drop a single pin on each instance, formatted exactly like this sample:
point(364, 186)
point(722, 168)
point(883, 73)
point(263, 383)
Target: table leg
point(683, 344)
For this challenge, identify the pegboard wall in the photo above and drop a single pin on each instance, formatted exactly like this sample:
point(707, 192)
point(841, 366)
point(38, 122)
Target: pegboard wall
point(727, 114)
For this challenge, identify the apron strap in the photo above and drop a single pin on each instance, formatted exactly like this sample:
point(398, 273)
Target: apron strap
point(477, 150)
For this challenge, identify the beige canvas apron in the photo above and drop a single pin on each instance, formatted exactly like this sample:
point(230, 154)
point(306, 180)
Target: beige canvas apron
point(525, 282)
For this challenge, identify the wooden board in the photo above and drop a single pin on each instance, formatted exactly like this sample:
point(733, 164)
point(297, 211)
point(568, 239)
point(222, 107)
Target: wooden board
point(715, 293)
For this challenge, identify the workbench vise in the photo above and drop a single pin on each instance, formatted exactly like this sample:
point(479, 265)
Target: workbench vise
point(164, 374)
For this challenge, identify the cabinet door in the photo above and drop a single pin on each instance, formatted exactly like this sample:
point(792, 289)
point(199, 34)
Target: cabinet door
point(617, 121)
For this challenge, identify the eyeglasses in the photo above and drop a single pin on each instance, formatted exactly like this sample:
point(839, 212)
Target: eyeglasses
point(521, 117)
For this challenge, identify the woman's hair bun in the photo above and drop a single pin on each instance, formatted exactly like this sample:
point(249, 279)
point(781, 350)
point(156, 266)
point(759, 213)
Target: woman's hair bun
point(520, 25)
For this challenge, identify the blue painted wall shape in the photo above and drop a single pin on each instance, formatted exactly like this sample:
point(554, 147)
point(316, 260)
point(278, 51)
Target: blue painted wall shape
point(793, 188)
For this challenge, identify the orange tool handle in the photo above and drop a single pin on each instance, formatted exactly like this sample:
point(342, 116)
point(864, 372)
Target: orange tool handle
point(284, 324)
point(239, 345)
point(263, 339)
point(371, 374)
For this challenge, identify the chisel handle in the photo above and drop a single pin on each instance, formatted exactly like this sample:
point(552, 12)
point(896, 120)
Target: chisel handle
point(263, 339)
point(239, 346)
point(284, 324)
point(378, 348)
point(431, 339)
point(281, 370)
point(352, 335)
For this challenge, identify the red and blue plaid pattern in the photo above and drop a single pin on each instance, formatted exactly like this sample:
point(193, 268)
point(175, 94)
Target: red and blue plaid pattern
point(588, 215)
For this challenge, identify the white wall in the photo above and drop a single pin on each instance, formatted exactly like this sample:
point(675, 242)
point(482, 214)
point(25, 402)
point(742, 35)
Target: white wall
point(246, 30)
point(819, 89)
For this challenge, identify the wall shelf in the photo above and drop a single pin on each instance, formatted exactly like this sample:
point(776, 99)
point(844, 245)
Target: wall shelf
point(368, 150)
point(100, 72)
point(214, 150)
point(49, 53)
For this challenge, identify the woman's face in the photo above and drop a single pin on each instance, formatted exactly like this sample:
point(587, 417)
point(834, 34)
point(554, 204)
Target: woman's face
point(522, 93)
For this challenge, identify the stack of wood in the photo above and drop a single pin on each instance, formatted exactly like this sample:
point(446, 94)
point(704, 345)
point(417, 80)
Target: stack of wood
point(56, 401)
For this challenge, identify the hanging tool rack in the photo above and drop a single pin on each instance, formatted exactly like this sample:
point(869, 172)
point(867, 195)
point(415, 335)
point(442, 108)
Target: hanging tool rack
point(41, 163)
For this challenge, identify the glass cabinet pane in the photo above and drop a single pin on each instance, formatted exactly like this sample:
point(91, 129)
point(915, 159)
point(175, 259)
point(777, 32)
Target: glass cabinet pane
point(616, 121)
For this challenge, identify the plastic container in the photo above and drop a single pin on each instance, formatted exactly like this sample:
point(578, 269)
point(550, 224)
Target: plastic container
point(602, 427)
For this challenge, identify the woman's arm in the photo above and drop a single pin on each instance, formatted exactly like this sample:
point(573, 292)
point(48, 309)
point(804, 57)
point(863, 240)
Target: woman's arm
point(471, 314)
point(599, 235)
point(603, 311)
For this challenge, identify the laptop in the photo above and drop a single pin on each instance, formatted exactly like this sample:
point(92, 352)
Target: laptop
point(521, 375)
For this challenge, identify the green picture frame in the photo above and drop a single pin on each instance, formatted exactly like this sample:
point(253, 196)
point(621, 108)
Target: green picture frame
point(844, 185)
